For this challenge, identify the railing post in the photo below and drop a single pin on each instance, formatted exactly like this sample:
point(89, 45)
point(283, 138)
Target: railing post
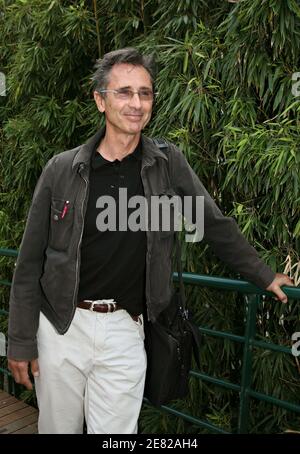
point(250, 330)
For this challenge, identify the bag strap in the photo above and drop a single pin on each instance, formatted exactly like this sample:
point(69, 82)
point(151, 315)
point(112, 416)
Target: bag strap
point(180, 278)
point(163, 145)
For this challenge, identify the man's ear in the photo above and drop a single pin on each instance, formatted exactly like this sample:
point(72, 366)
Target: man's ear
point(100, 101)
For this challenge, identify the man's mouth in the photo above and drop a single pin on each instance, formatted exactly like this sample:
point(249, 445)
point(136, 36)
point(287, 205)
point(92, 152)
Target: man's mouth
point(134, 117)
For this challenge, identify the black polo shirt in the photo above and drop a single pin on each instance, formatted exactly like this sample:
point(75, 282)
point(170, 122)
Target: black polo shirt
point(113, 262)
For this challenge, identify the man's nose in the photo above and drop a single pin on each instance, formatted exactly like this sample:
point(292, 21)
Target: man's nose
point(135, 101)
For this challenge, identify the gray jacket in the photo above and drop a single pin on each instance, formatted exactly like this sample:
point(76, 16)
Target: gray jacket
point(46, 277)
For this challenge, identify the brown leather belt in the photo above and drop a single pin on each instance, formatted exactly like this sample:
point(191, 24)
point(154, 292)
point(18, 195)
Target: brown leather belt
point(103, 307)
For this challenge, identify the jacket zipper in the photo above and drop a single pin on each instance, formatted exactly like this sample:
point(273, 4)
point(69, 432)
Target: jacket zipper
point(78, 247)
point(148, 256)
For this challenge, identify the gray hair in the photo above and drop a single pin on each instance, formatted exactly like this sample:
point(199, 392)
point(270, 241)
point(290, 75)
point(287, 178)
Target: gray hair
point(128, 55)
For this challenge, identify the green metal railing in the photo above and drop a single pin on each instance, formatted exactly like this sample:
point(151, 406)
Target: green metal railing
point(253, 297)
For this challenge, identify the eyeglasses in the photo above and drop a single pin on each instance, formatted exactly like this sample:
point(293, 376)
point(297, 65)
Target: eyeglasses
point(127, 94)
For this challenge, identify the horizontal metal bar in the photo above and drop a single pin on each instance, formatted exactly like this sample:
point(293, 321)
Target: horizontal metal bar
point(271, 346)
point(3, 312)
point(215, 381)
point(215, 333)
point(5, 371)
point(190, 419)
point(238, 285)
point(8, 252)
point(7, 283)
point(274, 401)
point(241, 339)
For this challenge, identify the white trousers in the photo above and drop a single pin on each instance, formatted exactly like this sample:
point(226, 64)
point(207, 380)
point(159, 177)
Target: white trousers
point(96, 370)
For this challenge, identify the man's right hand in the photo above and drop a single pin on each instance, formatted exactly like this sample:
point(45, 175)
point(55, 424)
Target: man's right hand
point(19, 369)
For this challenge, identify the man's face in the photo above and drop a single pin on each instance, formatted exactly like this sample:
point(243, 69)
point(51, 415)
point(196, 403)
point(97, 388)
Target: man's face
point(127, 116)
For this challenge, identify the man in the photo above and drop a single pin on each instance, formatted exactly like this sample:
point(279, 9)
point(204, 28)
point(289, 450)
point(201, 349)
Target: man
point(79, 291)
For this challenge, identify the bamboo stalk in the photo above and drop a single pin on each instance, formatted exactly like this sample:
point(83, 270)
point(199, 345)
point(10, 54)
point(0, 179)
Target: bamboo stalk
point(97, 28)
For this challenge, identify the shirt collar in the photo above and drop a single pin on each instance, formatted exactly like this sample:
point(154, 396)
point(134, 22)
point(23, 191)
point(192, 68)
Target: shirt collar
point(149, 151)
point(98, 160)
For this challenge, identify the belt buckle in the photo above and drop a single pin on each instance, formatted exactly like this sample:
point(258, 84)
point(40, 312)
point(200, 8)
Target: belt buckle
point(91, 308)
point(110, 303)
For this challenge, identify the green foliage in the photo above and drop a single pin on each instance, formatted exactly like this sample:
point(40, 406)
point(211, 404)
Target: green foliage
point(225, 85)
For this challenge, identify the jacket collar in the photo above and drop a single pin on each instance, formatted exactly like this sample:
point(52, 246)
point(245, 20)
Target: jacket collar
point(149, 150)
point(86, 150)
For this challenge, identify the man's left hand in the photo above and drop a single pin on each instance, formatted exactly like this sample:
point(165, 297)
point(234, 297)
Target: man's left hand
point(279, 280)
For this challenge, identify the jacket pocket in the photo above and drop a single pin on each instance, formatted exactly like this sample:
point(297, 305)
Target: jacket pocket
point(61, 224)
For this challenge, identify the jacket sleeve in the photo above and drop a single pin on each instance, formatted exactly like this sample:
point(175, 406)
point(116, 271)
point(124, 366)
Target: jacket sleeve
point(221, 232)
point(26, 293)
